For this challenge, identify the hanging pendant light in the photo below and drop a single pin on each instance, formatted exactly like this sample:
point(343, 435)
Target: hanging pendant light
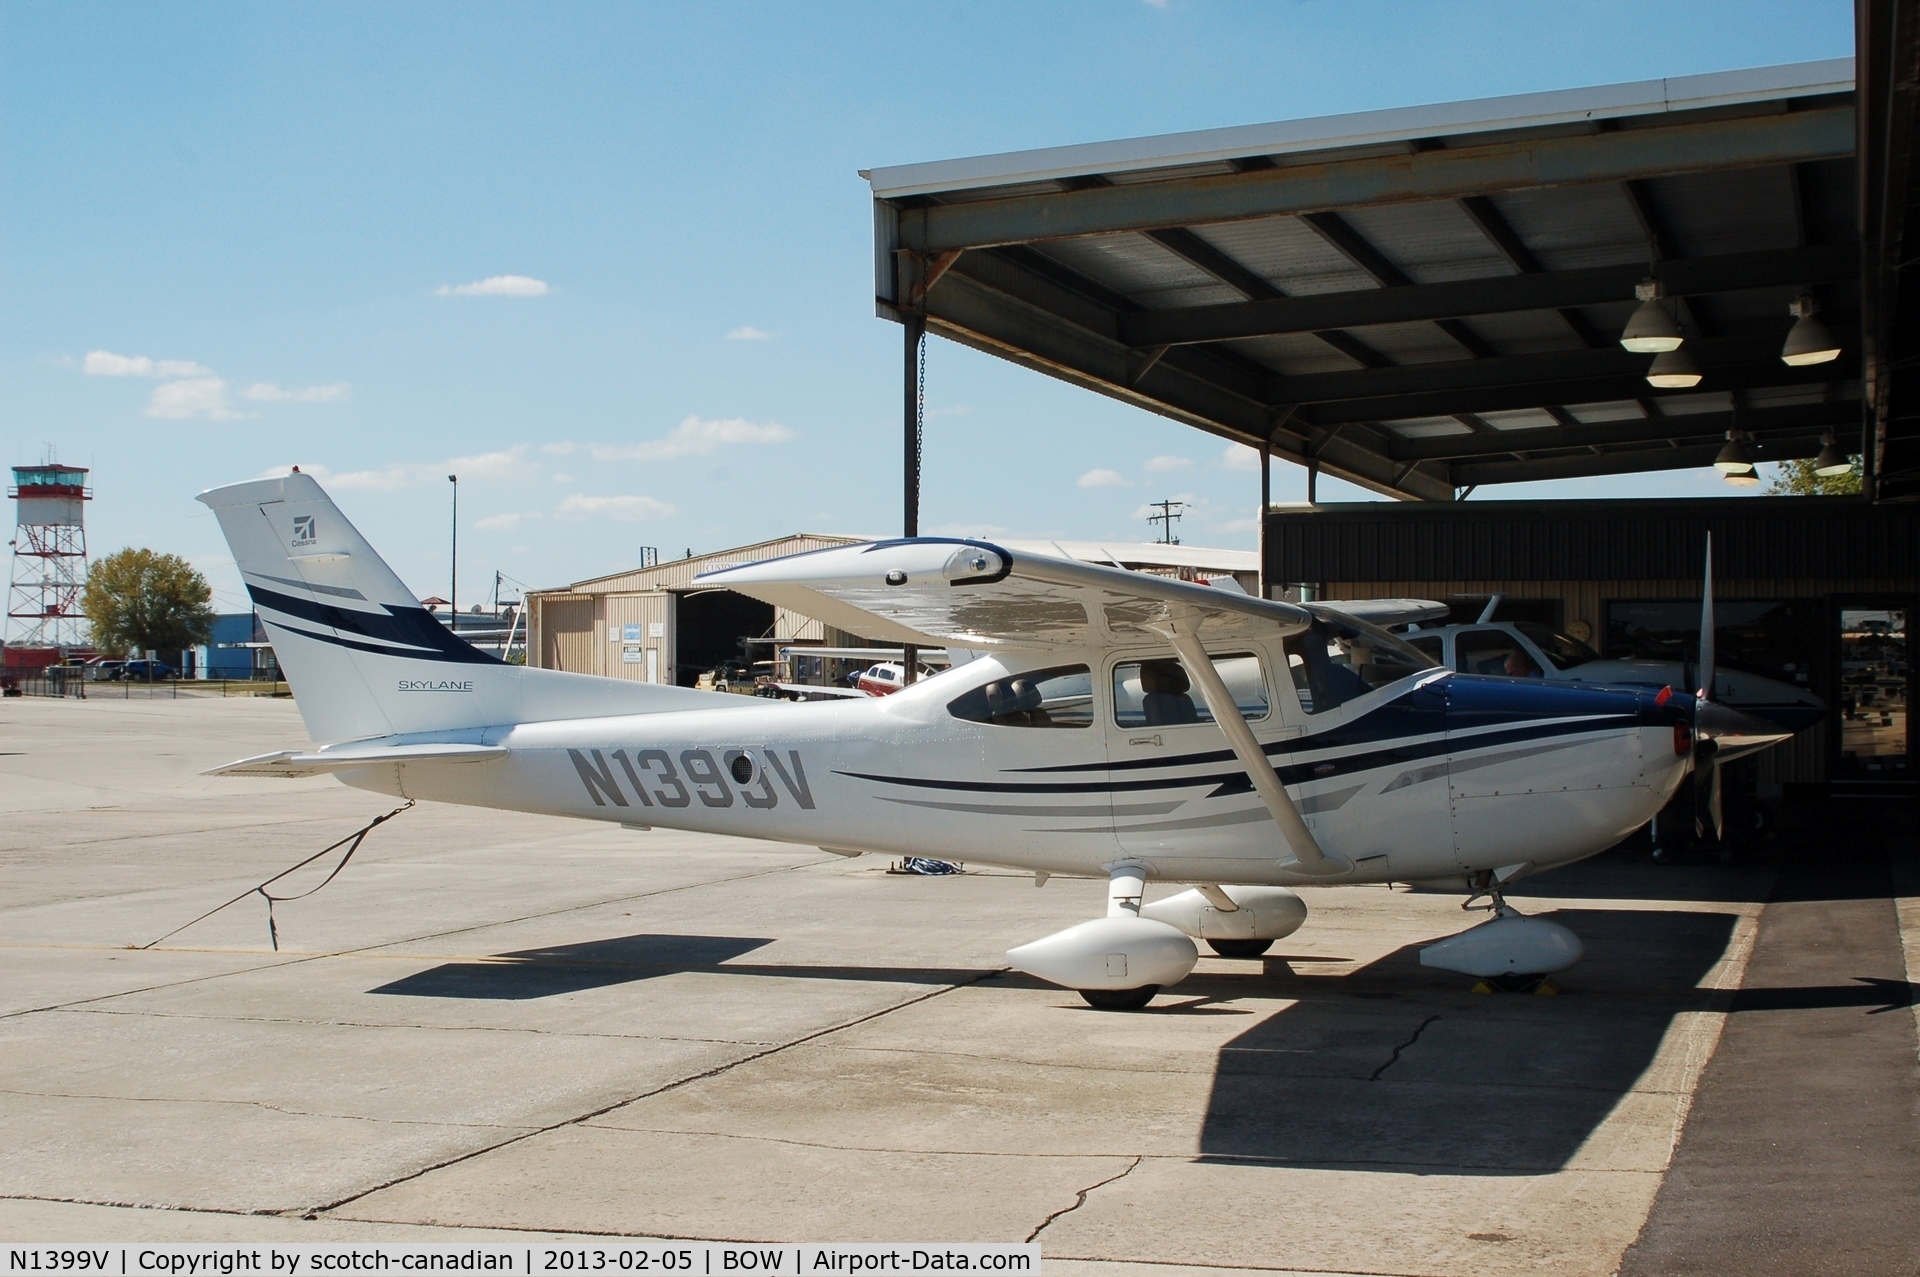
point(1831, 461)
point(1808, 341)
point(1652, 329)
point(1673, 370)
point(1742, 479)
point(1734, 458)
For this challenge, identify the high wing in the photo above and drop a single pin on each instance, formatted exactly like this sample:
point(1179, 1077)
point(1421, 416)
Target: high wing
point(1387, 613)
point(975, 594)
point(293, 763)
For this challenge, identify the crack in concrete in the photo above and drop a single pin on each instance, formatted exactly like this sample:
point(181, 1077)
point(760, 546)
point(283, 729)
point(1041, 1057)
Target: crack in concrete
point(432, 1028)
point(1395, 1057)
point(876, 1148)
point(1080, 1198)
point(263, 1105)
point(583, 1118)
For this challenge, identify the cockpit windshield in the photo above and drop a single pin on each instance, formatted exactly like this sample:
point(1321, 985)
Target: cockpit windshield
point(1339, 658)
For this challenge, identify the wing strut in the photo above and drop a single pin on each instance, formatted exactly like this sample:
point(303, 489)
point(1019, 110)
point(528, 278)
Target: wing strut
point(1308, 858)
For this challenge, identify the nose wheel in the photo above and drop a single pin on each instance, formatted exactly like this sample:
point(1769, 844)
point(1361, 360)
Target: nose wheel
point(1510, 952)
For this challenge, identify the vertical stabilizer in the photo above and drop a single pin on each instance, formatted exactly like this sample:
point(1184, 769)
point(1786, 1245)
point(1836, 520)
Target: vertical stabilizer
point(362, 656)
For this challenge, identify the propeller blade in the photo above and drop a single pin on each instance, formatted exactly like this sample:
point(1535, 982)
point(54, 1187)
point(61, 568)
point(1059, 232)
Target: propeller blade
point(1707, 810)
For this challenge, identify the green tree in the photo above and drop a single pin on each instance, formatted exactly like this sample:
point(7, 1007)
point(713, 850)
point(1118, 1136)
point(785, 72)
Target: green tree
point(139, 601)
point(1797, 479)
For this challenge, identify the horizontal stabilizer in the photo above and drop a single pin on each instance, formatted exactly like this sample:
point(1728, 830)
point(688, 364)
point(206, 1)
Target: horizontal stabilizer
point(293, 763)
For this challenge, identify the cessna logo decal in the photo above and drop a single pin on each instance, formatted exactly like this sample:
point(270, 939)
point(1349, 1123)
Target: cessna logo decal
point(434, 685)
point(655, 780)
point(303, 529)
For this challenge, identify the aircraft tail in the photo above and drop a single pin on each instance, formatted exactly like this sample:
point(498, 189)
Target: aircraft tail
point(363, 657)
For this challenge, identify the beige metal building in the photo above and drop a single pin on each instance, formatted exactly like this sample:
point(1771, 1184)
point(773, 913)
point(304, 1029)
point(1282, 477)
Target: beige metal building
point(655, 625)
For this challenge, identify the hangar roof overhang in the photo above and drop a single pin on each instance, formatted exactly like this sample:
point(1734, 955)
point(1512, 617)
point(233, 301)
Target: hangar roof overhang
point(1424, 300)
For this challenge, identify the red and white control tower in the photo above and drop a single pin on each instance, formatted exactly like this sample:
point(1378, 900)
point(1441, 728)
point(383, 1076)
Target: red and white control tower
point(49, 556)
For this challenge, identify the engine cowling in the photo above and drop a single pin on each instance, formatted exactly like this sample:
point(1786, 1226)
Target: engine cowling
point(1109, 953)
point(1265, 913)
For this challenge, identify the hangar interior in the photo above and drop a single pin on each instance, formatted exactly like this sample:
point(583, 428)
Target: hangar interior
point(1430, 302)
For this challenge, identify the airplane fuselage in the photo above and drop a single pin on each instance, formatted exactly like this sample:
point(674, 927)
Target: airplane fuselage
point(1431, 778)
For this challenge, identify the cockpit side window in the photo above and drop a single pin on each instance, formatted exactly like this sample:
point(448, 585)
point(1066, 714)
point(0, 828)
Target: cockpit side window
point(1057, 697)
point(1337, 659)
point(1158, 693)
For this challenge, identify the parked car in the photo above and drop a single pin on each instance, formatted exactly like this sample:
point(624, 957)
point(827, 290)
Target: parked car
point(104, 669)
point(146, 671)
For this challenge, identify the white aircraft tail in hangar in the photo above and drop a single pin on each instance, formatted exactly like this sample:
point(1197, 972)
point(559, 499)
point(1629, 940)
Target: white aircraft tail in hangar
point(1112, 725)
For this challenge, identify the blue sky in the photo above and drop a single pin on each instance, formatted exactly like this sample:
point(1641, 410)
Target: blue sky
point(277, 206)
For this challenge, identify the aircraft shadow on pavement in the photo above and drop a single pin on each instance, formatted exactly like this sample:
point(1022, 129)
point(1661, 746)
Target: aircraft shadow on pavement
point(598, 964)
point(1398, 1068)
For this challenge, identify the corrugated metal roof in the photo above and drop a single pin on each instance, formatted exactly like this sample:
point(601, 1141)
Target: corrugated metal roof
point(1209, 148)
point(1186, 273)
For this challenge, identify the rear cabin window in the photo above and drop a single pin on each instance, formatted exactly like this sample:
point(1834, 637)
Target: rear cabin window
point(1158, 693)
point(1337, 659)
point(1058, 697)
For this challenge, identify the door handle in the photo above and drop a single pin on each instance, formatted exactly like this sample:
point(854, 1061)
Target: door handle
point(1144, 740)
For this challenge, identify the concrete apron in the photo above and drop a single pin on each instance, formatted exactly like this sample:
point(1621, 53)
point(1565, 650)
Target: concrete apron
point(1802, 1155)
point(504, 1023)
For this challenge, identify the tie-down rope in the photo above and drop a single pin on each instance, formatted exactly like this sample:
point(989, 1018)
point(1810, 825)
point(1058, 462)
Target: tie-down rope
point(273, 932)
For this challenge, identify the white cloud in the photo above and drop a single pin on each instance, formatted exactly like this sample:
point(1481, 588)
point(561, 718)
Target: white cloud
point(952, 410)
point(695, 436)
point(503, 522)
point(625, 509)
point(503, 464)
point(193, 397)
point(497, 286)
point(1238, 456)
point(104, 363)
point(1102, 479)
point(384, 479)
point(747, 332)
point(559, 448)
point(267, 392)
point(1166, 465)
point(506, 463)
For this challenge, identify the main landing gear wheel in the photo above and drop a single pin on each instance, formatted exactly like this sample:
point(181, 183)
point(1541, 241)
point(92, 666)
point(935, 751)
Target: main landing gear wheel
point(1120, 999)
point(1239, 948)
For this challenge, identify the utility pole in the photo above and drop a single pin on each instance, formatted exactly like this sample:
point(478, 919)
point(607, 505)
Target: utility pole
point(1169, 512)
point(453, 572)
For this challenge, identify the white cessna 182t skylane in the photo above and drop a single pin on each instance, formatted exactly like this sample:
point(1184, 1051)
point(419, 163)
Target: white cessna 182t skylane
point(1319, 749)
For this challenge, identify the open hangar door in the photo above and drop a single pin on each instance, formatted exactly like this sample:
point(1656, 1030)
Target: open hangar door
point(708, 628)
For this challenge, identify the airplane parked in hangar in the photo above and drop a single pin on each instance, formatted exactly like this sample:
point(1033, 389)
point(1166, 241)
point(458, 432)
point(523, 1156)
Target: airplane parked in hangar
point(1527, 649)
point(1113, 725)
